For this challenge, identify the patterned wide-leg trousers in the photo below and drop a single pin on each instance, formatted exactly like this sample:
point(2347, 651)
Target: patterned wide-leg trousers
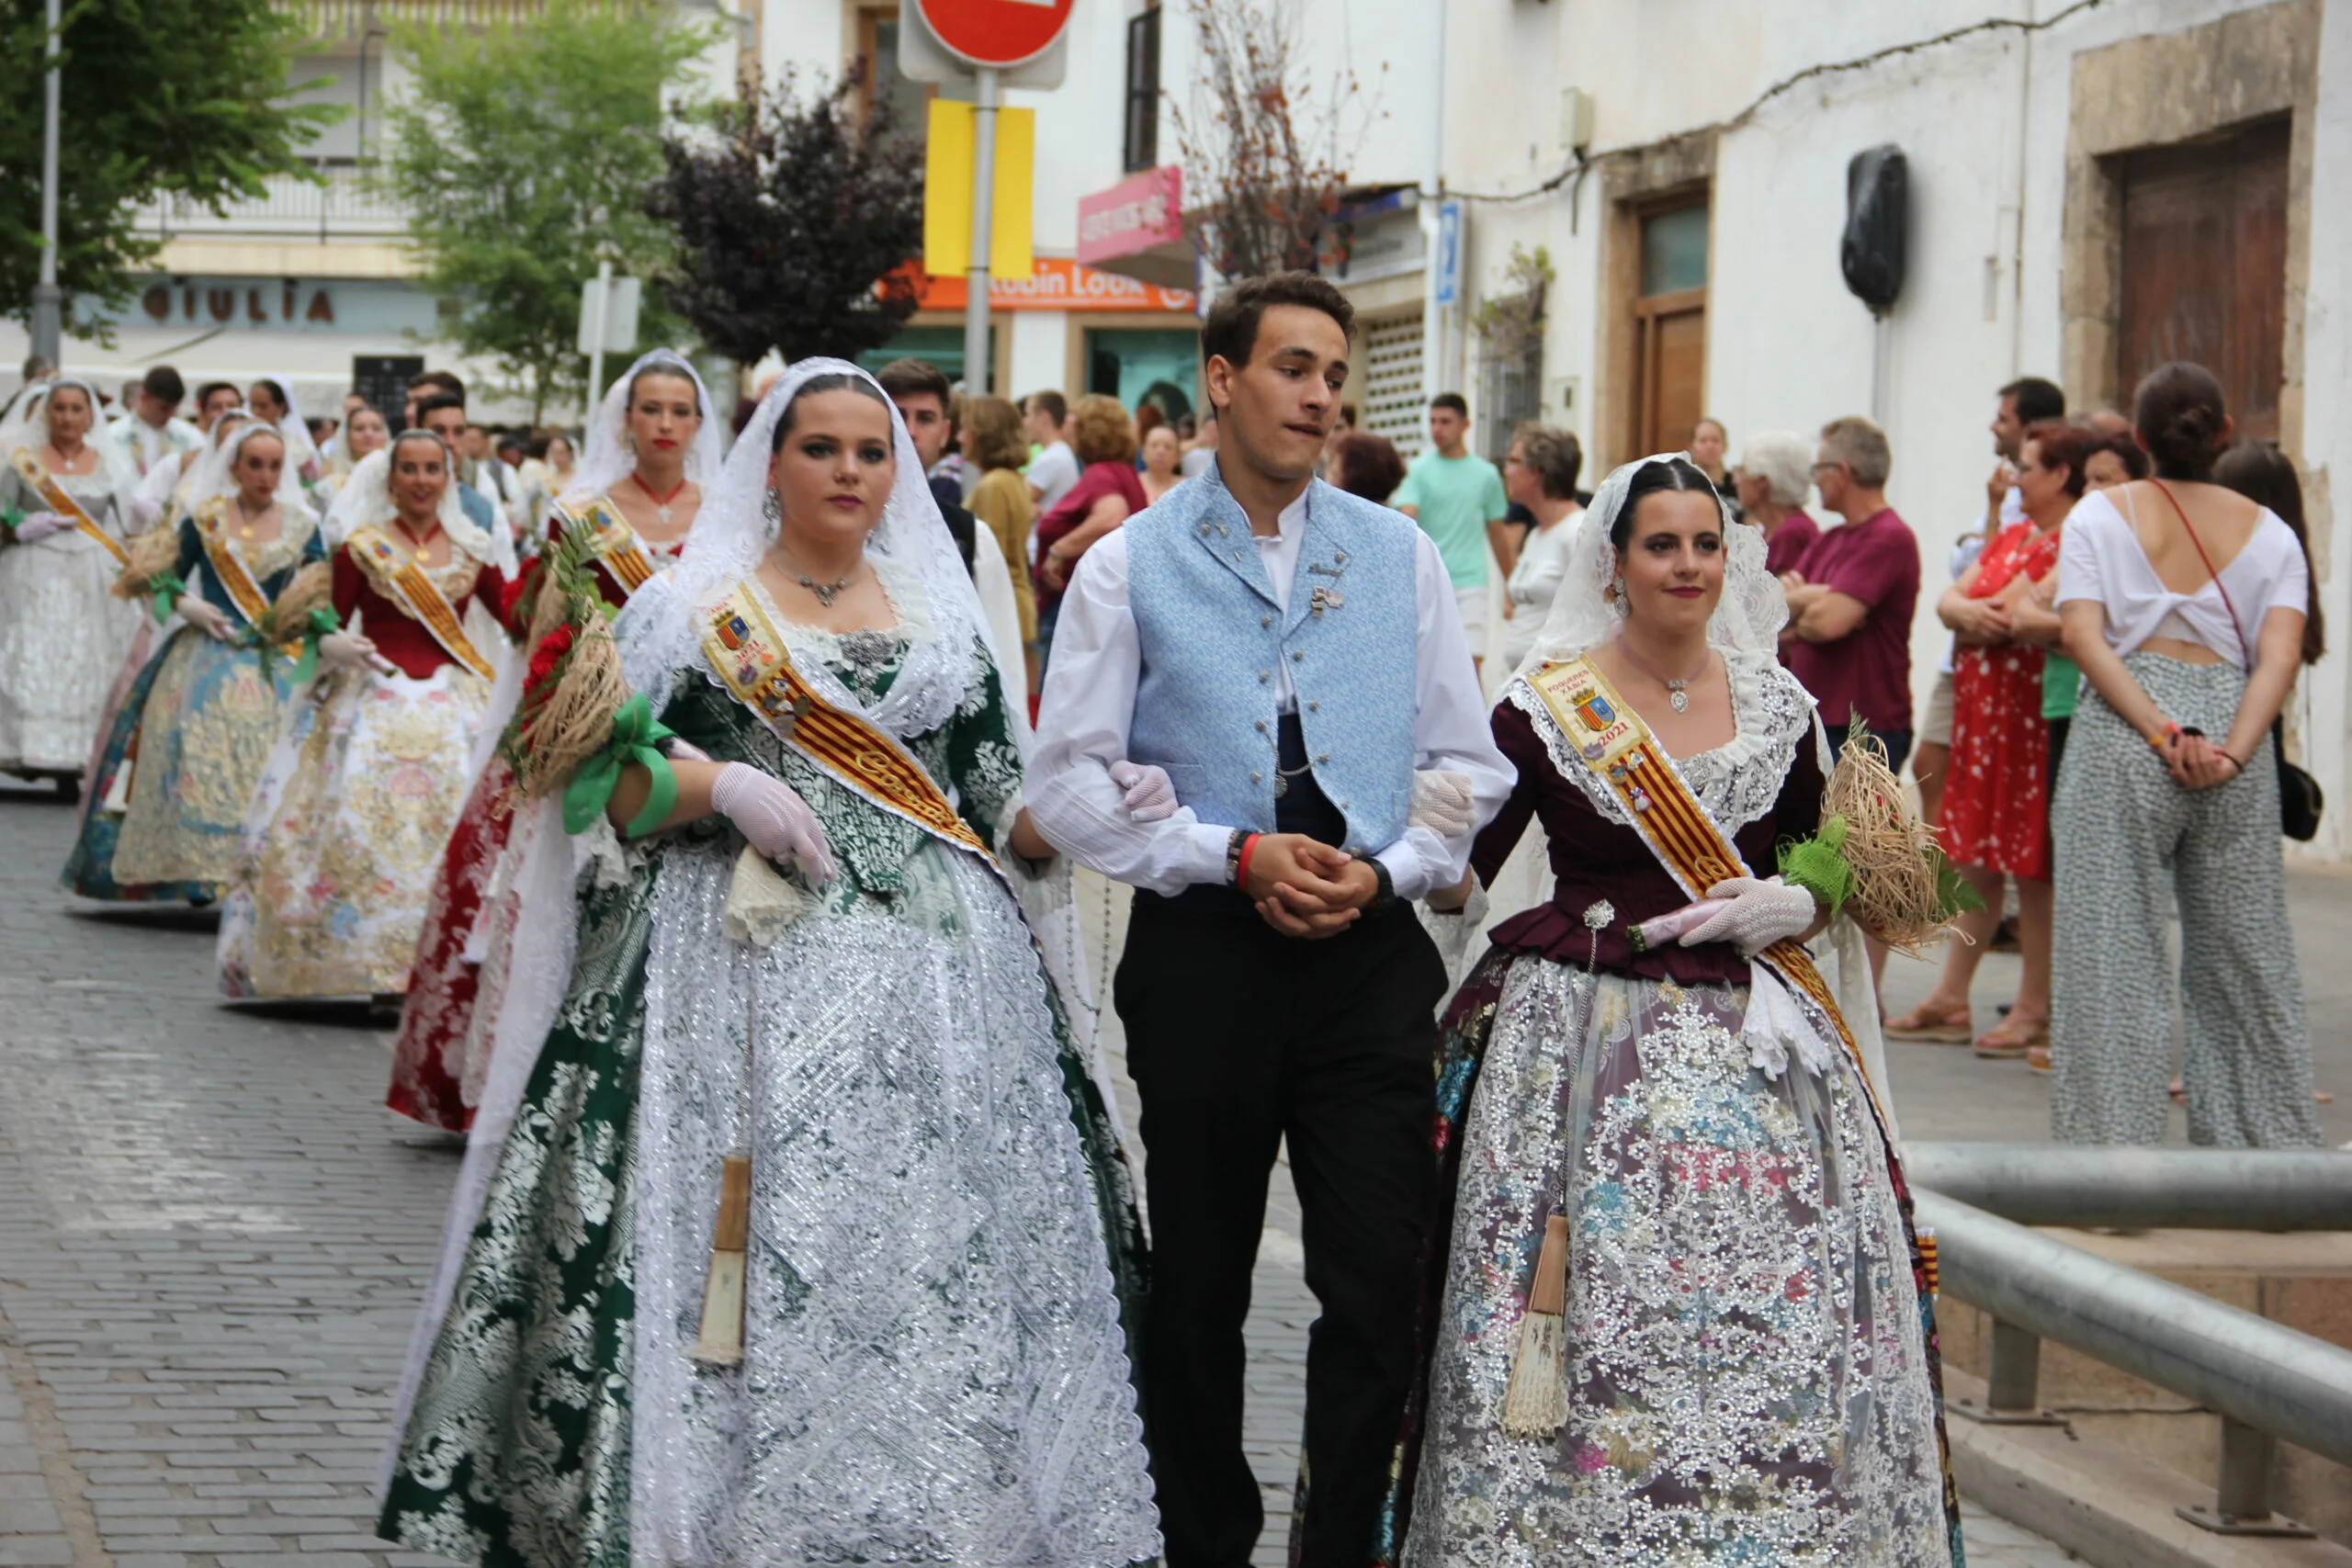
point(2132, 846)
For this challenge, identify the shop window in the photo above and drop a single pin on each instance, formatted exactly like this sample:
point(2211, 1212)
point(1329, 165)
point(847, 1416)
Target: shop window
point(1145, 364)
point(1142, 140)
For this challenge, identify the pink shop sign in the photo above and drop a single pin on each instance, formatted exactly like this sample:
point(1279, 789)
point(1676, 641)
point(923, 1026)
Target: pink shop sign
point(1140, 211)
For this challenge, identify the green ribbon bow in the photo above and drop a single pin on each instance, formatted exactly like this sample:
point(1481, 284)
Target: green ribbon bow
point(1818, 865)
point(321, 623)
point(163, 591)
point(635, 730)
point(10, 517)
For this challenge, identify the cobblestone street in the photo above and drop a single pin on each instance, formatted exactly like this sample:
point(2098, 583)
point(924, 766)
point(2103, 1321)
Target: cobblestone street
point(211, 1242)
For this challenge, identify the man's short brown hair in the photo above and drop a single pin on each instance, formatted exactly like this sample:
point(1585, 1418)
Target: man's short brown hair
point(912, 378)
point(1231, 331)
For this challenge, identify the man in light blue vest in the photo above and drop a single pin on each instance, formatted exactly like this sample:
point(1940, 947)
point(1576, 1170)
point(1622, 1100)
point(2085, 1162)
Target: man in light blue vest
point(1291, 657)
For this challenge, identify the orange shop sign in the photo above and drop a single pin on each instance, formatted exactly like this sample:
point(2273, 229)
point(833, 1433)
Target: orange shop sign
point(1057, 283)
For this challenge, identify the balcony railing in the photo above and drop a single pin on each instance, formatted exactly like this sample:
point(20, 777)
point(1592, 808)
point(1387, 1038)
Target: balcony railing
point(341, 207)
point(354, 19)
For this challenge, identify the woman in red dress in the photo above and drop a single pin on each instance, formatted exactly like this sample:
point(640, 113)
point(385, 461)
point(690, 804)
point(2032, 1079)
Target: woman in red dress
point(1996, 820)
point(651, 451)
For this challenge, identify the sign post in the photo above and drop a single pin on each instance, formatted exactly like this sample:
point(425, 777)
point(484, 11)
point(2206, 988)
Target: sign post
point(984, 41)
point(608, 320)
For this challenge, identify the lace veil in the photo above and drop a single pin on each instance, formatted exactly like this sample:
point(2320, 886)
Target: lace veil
point(1585, 613)
point(367, 498)
point(27, 427)
point(660, 634)
point(215, 474)
point(609, 458)
point(299, 447)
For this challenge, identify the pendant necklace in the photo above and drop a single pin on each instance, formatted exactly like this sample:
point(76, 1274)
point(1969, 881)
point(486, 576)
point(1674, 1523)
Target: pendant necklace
point(661, 503)
point(245, 524)
point(1677, 696)
point(1283, 775)
point(826, 593)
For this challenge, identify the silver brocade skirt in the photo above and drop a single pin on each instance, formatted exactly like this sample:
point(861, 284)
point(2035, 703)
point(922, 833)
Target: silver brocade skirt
point(1748, 1367)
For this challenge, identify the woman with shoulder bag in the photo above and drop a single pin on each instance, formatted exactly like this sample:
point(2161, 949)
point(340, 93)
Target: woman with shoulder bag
point(2188, 607)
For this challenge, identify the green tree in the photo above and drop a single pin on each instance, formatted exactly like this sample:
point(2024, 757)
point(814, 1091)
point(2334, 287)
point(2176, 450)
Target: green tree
point(187, 98)
point(522, 152)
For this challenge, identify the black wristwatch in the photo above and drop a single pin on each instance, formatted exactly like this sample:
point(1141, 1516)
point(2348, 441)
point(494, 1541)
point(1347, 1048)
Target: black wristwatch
point(1385, 898)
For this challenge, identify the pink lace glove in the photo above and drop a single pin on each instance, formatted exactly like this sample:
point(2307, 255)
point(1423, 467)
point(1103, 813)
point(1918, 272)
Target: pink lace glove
point(349, 650)
point(206, 617)
point(1151, 794)
point(35, 526)
point(146, 512)
point(1759, 914)
point(772, 819)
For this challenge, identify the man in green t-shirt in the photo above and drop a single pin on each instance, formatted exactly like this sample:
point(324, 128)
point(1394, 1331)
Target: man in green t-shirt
point(1458, 498)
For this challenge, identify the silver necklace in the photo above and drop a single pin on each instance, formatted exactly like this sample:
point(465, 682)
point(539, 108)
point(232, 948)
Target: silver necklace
point(1283, 775)
point(1676, 696)
point(826, 593)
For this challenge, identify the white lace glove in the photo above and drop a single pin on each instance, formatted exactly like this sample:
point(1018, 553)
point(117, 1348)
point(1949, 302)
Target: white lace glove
point(35, 526)
point(1760, 914)
point(772, 819)
point(204, 616)
point(1151, 794)
point(146, 512)
point(348, 650)
point(1442, 803)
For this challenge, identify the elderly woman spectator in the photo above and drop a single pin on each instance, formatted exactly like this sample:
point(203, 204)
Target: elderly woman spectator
point(1363, 464)
point(1996, 820)
point(1161, 454)
point(1541, 475)
point(1107, 493)
point(1774, 476)
point(2169, 798)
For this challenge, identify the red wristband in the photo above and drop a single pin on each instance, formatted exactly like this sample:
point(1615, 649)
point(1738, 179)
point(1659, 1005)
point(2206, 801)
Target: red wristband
point(1241, 869)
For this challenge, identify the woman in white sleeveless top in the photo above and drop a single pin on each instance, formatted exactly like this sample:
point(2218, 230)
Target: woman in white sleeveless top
point(2168, 797)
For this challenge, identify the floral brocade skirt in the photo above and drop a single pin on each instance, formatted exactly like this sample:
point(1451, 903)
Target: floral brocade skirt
point(63, 639)
point(166, 801)
point(1749, 1373)
point(441, 1056)
point(336, 864)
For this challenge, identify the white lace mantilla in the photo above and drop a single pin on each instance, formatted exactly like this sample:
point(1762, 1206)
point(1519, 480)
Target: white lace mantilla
point(1738, 782)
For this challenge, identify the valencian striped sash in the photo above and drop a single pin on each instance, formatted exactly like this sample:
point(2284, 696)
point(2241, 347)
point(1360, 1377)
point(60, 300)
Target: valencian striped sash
point(398, 576)
point(1618, 746)
point(227, 569)
point(44, 484)
point(750, 658)
point(610, 540)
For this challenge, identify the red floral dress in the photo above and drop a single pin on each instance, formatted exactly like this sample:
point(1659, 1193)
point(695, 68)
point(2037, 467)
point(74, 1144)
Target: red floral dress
point(1996, 804)
point(439, 1061)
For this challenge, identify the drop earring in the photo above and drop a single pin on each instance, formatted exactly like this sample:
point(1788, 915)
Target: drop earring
point(772, 506)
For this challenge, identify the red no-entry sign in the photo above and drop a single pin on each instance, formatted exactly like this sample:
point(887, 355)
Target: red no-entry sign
point(996, 33)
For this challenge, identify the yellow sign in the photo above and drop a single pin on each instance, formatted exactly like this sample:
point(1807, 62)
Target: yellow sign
point(947, 192)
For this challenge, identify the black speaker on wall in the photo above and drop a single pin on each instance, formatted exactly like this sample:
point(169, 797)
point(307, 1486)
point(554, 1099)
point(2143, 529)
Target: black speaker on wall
point(1878, 201)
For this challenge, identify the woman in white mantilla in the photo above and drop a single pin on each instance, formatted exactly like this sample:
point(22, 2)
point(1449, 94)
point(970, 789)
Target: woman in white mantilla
point(653, 453)
point(65, 494)
point(1680, 1314)
point(850, 1079)
point(367, 777)
point(185, 747)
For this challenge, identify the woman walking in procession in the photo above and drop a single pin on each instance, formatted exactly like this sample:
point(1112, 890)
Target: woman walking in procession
point(185, 748)
point(850, 1283)
point(2189, 608)
point(1683, 1317)
point(369, 772)
point(65, 515)
point(652, 452)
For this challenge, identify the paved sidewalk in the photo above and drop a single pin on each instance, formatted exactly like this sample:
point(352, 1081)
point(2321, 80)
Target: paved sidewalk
point(212, 1240)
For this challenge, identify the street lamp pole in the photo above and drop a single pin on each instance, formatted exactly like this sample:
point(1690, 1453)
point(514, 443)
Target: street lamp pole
point(49, 304)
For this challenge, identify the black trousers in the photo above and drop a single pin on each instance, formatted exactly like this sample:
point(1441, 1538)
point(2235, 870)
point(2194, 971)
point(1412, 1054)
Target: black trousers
point(1239, 1038)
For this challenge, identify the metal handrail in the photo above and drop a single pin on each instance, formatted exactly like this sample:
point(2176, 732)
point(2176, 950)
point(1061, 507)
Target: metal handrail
point(2057, 1184)
point(2266, 1381)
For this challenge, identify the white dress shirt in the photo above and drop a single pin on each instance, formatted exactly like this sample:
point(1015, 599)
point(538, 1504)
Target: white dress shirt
point(1089, 699)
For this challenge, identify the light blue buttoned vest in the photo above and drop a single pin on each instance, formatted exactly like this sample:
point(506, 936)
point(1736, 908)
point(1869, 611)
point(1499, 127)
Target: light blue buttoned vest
point(1212, 634)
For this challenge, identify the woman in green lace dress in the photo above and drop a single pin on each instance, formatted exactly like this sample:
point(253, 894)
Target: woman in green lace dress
point(799, 939)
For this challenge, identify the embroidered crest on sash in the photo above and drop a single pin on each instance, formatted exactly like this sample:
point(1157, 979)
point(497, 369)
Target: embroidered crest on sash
point(610, 540)
point(751, 660)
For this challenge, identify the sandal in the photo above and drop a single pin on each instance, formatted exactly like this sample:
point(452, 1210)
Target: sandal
point(2008, 1042)
point(1949, 1028)
point(2038, 1059)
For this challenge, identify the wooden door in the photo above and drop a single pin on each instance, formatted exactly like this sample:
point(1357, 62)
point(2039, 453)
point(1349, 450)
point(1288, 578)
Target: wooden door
point(2205, 267)
point(1671, 368)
